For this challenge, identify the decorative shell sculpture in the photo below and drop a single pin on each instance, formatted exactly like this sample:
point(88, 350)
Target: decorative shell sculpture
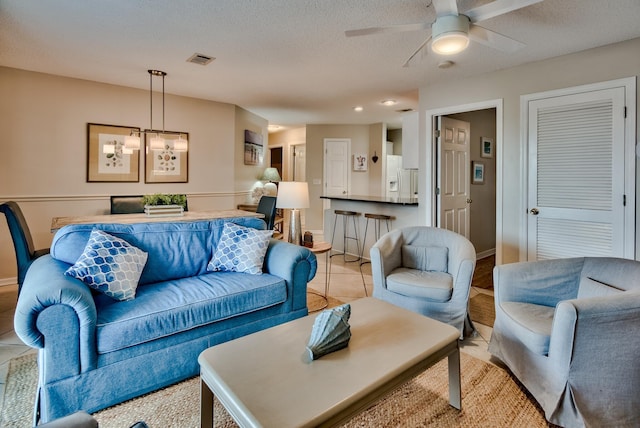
point(331, 331)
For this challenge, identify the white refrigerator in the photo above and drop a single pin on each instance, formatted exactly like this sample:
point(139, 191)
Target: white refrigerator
point(400, 183)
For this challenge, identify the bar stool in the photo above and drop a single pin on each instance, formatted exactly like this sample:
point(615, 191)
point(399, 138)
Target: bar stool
point(345, 216)
point(377, 220)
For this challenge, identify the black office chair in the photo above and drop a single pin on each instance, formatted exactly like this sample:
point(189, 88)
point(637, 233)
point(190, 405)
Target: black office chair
point(267, 206)
point(127, 204)
point(22, 242)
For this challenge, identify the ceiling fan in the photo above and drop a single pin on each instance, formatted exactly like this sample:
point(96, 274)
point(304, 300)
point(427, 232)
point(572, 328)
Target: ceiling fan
point(451, 31)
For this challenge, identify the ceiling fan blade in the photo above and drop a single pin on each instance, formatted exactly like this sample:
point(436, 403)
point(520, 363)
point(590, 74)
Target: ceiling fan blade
point(406, 63)
point(388, 29)
point(498, 7)
point(494, 40)
point(445, 7)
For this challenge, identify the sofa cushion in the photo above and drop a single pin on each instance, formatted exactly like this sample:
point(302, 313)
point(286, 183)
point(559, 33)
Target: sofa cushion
point(109, 265)
point(532, 324)
point(240, 249)
point(177, 249)
point(175, 306)
point(430, 258)
point(591, 288)
point(435, 286)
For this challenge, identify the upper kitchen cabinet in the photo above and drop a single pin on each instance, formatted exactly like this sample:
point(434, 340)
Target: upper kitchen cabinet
point(410, 140)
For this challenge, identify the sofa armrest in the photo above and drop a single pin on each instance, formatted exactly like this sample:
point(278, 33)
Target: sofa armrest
point(295, 264)
point(386, 255)
point(544, 282)
point(57, 314)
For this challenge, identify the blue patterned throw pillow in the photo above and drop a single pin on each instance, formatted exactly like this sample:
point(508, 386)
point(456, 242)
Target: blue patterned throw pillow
point(240, 249)
point(110, 265)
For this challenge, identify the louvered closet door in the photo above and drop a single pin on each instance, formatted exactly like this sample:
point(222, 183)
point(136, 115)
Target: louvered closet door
point(576, 175)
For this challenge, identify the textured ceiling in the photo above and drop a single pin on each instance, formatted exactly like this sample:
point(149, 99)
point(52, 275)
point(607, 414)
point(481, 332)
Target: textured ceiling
point(288, 61)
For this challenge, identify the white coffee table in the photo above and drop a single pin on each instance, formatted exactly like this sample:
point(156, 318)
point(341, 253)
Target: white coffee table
point(264, 380)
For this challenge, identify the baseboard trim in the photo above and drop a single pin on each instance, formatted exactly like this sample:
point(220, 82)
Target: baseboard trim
point(485, 254)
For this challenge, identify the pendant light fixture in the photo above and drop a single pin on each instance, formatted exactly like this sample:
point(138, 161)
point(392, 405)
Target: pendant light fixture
point(156, 140)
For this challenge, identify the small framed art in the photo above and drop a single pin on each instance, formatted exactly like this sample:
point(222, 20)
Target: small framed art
point(166, 165)
point(360, 162)
point(253, 148)
point(486, 147)
point(477, 172)
point(107, 159)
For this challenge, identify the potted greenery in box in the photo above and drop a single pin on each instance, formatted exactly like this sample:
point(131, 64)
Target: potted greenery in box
point(164, 204)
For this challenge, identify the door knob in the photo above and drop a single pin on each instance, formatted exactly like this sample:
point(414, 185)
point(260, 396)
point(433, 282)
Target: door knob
point(469, 200)
point(534, 211)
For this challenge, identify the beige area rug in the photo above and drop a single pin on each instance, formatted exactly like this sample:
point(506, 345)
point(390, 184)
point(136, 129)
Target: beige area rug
point(490, 398)
point(482, 309)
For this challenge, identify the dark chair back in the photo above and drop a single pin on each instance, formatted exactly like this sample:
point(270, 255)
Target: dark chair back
point(127, 204)
point(267, 206)
point(22, 242)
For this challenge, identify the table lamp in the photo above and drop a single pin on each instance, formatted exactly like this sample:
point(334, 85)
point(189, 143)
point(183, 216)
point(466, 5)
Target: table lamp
point(271, 175)
point(294, 195)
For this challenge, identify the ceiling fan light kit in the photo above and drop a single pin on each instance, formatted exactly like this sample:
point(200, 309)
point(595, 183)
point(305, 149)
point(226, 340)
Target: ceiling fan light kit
point(452, 31)
point(450, 34)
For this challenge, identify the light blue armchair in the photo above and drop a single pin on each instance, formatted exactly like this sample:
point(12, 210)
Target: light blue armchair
point(568, 330)
point(427, 270)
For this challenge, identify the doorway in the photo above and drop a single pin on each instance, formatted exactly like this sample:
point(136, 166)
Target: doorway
point(466, 203)
point(276, 159)
point(484, 218)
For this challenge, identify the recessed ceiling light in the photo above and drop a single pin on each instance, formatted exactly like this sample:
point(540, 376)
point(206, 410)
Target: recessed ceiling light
point(388, 102)
point(358, 108)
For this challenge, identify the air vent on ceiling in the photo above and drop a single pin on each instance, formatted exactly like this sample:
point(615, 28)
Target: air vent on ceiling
point(404, 110)
point(197, 58)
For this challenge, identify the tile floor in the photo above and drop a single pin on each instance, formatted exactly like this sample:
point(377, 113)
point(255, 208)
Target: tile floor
point(345, 285)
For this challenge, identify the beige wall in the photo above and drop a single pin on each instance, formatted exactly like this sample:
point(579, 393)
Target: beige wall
point(44, 146)
point(359, 136)
point(595, 65)
point(482, 227)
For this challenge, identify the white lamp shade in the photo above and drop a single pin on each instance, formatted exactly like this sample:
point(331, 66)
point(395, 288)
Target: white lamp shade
point(180, 145)
point(109, 148)
point(271, 174)
point(132, 142)
point(156, 143)
point(293, 195)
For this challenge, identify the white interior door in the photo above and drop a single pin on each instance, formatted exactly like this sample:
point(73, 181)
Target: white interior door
point(299, 155)
point(576, 197)
point(453, 175)
point(336, 166)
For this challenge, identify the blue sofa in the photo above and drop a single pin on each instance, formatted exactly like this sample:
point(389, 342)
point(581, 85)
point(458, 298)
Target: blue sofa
point(95, 351)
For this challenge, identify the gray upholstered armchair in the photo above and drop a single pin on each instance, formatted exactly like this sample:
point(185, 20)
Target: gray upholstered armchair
point(426, 270)
point(568, 330)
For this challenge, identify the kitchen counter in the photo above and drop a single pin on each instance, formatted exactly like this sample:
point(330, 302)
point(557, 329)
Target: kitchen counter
point(376, 199)
point(403, 212)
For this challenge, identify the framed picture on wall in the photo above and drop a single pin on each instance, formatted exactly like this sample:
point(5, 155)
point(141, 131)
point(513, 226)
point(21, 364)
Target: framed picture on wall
point(477, 172)
point(486, 147)
point(166, 165)
point(253, 148)
point(360, 162)
point(107, 158)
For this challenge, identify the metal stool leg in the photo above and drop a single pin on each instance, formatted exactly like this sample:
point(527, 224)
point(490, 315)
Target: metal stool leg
point(345, 215)
point(376, 234)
